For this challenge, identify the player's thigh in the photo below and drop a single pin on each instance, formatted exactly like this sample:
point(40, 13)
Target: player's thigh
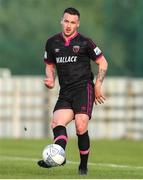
point(62, 117)
point(81, 123)
point(83, 100)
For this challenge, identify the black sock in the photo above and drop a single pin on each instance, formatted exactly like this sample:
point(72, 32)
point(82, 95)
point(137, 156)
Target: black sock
point(83, 145)
point(60, 136)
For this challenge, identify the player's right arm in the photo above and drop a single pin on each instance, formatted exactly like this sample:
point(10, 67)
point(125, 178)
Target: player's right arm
point(50, 76)
point(50, 65)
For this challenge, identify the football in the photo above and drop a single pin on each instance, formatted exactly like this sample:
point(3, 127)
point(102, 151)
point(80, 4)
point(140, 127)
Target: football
point(53, 155)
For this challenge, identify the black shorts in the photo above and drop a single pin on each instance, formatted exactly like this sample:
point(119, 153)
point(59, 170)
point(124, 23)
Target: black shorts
point(78, 98)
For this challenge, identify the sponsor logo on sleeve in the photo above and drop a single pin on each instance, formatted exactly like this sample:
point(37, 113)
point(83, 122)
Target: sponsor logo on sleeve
point(45, 55)
point(97, 51)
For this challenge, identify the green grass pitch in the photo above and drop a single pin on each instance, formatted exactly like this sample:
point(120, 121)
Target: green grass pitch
point(109, 159)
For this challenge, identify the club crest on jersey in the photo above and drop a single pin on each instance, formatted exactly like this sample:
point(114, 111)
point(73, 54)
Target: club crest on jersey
point(76, 49)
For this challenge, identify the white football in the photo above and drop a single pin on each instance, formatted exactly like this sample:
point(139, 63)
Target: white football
point(54, 155)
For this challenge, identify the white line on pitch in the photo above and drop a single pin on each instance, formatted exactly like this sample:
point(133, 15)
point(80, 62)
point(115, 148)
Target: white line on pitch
point(72, 162)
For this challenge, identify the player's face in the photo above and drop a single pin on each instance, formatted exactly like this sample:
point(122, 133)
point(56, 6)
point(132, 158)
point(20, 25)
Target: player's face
point(69, 23)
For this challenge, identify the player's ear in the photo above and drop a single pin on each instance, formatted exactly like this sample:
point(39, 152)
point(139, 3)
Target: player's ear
point(78, 24)
point(62, 20)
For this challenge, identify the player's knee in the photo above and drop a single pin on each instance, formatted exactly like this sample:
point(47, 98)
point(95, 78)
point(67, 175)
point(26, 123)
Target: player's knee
point(81, 129)
point(53, 124)
point(81, 124)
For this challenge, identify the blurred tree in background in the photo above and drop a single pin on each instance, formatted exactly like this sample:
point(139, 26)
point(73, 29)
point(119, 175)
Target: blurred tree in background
point(115, 25)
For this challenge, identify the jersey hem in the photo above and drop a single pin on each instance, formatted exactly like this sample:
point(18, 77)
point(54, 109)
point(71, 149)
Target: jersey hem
point(46, 62)
point(98, 57)
point(62, 108)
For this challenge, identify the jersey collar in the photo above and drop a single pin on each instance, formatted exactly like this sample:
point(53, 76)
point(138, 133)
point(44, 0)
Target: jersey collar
point(68, 40)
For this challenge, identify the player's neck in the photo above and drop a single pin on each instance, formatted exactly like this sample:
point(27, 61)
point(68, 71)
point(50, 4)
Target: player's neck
point(69, 38)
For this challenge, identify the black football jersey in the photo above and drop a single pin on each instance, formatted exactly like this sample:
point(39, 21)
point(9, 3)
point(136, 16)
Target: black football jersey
point(71, 58)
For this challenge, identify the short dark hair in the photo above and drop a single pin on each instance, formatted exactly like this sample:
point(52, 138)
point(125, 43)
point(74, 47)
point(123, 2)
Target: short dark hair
point(72, 11)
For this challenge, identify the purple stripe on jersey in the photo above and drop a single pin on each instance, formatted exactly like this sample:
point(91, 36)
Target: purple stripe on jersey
point(88, 99)
point(88, 39)
point(89, 106)
point(94, 45)
point(84, 152)
point(61, 137)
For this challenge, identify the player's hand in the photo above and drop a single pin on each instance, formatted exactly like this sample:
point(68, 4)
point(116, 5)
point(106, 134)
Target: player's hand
point(49, 83)
point(99, 98)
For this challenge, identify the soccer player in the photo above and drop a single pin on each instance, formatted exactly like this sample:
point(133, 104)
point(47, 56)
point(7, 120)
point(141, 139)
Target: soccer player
point(70, 53)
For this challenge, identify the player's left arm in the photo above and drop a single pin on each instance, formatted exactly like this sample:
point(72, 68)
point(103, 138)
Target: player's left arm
point(102, 68)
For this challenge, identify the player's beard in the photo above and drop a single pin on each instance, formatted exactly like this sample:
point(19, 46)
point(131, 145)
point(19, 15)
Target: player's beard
point(69, 33)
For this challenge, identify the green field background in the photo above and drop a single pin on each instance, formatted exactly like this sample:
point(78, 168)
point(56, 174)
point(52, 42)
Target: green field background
point(115, 25)
point(109, 159)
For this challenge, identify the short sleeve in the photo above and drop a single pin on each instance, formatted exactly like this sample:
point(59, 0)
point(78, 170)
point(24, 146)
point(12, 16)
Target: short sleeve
point(48, 55)
point(93, 51)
